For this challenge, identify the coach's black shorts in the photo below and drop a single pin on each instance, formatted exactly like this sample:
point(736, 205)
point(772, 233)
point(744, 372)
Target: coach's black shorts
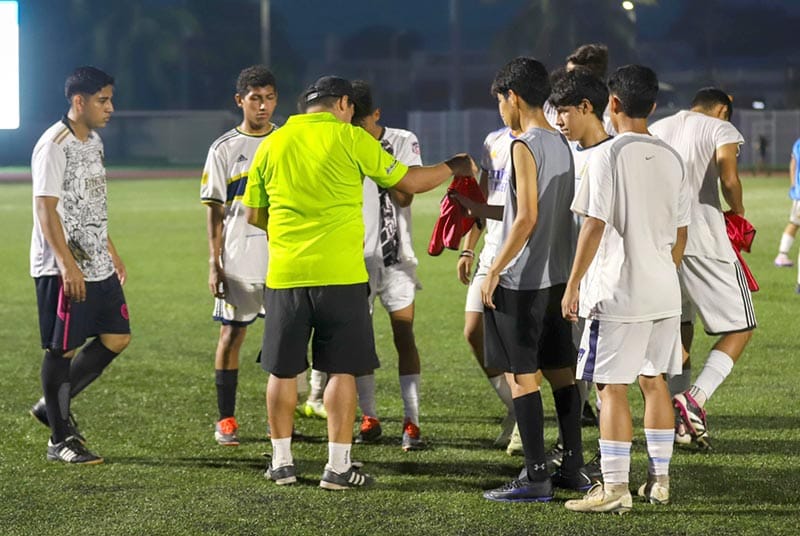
point(65, 324)
point(338, 316)
point(526, 332)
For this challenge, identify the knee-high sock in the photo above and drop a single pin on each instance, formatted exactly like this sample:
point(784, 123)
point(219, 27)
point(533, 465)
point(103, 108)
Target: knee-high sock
point(226, 381)
point(718, 366)
point(409, 389)
point(365, 385)
point(87, 366)
point(530, 420)
point(318, 382)
point(569, 408)
point(55, 384)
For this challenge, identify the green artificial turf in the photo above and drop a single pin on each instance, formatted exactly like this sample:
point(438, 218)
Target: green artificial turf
point(151, 415)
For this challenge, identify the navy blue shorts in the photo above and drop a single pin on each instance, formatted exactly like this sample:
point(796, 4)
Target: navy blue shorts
point(336, 318)
point(65, 324)
point(526, 332)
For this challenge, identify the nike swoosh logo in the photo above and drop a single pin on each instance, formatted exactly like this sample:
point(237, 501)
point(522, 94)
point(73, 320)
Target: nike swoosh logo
point(650, 157)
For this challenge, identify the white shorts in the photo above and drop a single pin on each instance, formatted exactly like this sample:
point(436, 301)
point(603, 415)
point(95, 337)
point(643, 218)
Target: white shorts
point(243, 303)
point(474, 301)
point(396, 285)
point(617, 353)
point(794, 214)
point(718, 292)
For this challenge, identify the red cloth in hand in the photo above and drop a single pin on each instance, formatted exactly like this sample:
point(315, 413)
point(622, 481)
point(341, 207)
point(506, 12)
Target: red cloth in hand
point(741, 234)
point(453, 223)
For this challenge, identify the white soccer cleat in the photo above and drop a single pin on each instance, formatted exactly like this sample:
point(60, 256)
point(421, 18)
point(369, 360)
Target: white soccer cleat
point(616, 500)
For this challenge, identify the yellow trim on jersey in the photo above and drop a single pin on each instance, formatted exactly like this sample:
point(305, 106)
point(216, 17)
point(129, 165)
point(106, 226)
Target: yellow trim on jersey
point(237, 177)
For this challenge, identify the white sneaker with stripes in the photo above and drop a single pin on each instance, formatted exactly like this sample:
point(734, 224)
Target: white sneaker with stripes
point(71, 450)
point(352, 478)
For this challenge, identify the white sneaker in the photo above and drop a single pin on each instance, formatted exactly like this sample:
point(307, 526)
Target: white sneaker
point(682, 436)
point(655, 490)
point(617, 500)
point(315, 408)
point(783, 261)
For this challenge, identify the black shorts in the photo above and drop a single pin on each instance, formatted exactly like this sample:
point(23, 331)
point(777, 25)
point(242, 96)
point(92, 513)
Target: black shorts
point(338, 316)
point(65, 324)
point(526, 332)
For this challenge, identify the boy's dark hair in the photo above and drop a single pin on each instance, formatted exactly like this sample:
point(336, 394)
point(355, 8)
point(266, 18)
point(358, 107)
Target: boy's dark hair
point(252, 77)
point(636, 87)
point(362, 99)
point(86, 80)
point(571, 87)
point(526, 77)
point(593, 56)
point(708, 97)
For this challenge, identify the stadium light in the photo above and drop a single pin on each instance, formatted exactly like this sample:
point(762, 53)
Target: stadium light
point(759, 105)
point(627, 5)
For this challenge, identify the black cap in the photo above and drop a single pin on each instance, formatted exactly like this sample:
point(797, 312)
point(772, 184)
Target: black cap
point(328, 86)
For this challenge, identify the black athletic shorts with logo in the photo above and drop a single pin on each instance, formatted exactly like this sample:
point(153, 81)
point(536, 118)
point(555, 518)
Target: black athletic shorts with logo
point(335, 317)
point(65, 324)
point(526, 331)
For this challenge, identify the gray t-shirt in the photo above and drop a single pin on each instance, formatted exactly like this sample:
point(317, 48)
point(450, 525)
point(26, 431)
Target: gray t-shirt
point(546, 258)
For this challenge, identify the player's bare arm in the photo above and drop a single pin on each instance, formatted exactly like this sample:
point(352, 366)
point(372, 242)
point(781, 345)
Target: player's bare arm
point(258, 217)
point(792, 171)
point(679, 246)
point(419, 179)
point(216, 275)
point(119, 266)
point(465, 260)
point(729, 176)
point(401, 198)
point(588, 241)
point(53, 231)
point(524, 223)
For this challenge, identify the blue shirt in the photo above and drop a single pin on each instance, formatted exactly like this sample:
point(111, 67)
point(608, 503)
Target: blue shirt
point(794, 191)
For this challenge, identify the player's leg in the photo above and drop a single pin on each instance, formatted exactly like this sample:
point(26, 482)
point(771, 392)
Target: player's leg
point(369, 429)
point(782, 260)
point(226, 377)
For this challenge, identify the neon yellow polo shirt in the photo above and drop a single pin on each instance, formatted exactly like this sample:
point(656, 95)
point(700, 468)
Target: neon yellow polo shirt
point(309, 175)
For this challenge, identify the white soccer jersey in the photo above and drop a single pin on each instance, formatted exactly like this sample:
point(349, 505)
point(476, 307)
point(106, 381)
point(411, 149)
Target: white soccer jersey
point(636, 185)
point(72, 170)
point(496, 161)
point(404, 146)
point(580, 156)
point(696, 137)
point(244, 246)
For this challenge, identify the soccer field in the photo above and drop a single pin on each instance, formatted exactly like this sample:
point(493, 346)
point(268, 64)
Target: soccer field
point(152, 414)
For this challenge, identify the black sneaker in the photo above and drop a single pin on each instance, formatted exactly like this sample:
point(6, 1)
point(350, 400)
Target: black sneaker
point(577, 481)
point(283, 475)
point(522, 490)
point(39, 412)
point(554, 457)
point(350, 479)
point(588, 417)
point(71, 450)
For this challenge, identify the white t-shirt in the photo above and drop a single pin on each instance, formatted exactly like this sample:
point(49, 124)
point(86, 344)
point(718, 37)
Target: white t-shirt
point(496, 161)
point(244, 246)
point(637, 186)
point(404, 146)
point(696, 137)
point(72, 170)
point(580, 156)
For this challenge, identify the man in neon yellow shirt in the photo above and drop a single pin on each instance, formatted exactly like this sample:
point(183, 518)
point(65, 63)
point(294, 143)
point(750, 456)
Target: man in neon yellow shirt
point(305, 190)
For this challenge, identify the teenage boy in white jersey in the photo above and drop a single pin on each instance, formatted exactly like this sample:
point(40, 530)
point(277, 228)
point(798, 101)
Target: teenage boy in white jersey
point(711, 277)
point(392, 268)
point(636, 209)
point(75, 266)
point(495, 170)
point(522, 290)
point(787, 238)
point(238, 250)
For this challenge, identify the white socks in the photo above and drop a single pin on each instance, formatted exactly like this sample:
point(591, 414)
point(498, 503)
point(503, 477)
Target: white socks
point(718, 366)
point(281, 452)
point(339, 457)
point(615, 461)
point(786, 243)
point(365, 385)
point(503, 391)
point(318, 382)
point(659, 450)
point(409, 389)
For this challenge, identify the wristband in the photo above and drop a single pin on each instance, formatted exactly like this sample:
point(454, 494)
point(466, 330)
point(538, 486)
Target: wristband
point(467, 253)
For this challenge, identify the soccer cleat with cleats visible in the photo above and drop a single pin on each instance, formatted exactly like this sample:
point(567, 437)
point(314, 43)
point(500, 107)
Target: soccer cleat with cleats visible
point(682, 437)
point(515, 443)
point(655, 490)
point(283, 475)
point(369, 431)
point(353, 478)
point(506, 429)
point(39, 412)
point(411, 437)
point(617, 500)
point(226, 432)
point(783, 261)
point(580, 480)
point(522, 490)
point(554, 457)
point(693, 417)
point(71, 450)
point(315, 408)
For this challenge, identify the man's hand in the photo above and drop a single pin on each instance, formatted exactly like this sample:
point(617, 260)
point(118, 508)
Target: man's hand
point(462, 165)
point(119, 268)
point(216, 280)
point(464, 268)
point(488, 287)
point(74, 284)
point(569, 303)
